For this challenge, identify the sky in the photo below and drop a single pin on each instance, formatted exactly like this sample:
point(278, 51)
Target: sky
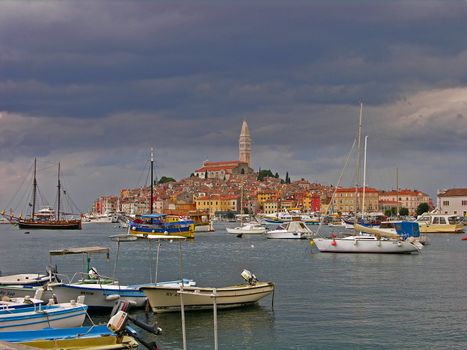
point(95, 85)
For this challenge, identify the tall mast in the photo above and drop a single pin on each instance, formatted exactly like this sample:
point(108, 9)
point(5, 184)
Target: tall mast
point(397, 191)
point(34, 190)
point(357, 173)
point(364, 178)
point(58, 193)
point(152, 180)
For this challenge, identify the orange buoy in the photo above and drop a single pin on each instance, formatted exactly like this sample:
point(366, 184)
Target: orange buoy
point(464, 238)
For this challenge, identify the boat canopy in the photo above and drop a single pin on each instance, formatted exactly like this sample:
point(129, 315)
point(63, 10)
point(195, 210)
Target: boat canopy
point(80, 250)
point(407, 229)
point(153, 216)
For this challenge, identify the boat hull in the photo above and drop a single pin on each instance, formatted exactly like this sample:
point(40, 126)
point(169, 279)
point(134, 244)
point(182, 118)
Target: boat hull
point(95, 337)
point(50, 225)
point(336, 245)
point(434, 228)
point(285, 235)
point(163, 299)
point(257, 231)
point(98, 296)
point(34, 318)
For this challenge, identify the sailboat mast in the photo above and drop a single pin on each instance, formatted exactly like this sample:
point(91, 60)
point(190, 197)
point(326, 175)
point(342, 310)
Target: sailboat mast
point(152, 181)
point(397, 191)
point(241, 206)
point(357, 172)
point(58, 194)
point(364, 177)
point(34, 190)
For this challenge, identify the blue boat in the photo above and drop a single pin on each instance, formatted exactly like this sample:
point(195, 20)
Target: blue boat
point(162, 224)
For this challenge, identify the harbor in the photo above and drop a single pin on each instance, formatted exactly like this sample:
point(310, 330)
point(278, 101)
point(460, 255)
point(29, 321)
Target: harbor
point(323, 301)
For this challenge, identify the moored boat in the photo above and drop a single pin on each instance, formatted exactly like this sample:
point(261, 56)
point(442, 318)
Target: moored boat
point(167, 299)
point(62, 315)
point(248, 228)
point(440, 223)
point(290, 230)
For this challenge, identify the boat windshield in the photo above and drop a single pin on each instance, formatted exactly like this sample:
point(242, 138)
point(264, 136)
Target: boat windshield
point(453, 220)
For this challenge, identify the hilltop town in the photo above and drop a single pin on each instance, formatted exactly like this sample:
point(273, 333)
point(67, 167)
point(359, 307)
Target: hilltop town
point(225, 188)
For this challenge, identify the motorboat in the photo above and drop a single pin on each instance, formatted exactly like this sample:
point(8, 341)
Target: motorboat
point(168, 299)
point(19, 303)
point(35, 317)
point(440, 223)
point(161, 224)
point(290, 230)
point(102, 291)
point(248, 228)
point(25, 284)
point(90, 337)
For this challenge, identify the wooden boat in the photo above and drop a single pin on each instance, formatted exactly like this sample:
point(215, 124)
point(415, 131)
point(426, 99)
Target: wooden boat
point(46, 218)
point(168, 299)
point(93, 337)
point(101, 291)
point(43, 316)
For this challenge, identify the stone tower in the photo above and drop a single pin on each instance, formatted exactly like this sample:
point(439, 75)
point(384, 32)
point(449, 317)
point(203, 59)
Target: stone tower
point(244, 144)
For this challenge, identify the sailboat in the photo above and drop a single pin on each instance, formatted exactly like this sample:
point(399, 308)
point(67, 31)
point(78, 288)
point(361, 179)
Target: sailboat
point(249, 227)
point(160, 224)
point(47, 218)
point(366, 240)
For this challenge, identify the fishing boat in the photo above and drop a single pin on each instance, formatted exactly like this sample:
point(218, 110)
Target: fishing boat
point(440, 223)
point(47, 218)
point(157, 224)
point(92, 337)
point(26, 284)
point(19, 303)
point(161, 224)
point(290, 230)
point(101, 291)
point(169, 299)
point(62, 315)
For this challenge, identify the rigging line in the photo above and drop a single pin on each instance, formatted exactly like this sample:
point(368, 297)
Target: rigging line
point(338, 184)
point(25, 177)
point(142, 174)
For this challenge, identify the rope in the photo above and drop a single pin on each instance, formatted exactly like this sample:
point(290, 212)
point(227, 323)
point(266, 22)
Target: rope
point(338, 184)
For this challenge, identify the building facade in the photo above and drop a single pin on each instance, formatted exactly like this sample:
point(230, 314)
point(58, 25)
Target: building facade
point(404, 198)
point(453, 201)
point(244, 144)
point(344, 200)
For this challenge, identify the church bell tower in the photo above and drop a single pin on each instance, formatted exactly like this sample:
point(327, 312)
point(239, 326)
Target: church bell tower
point(244, 144)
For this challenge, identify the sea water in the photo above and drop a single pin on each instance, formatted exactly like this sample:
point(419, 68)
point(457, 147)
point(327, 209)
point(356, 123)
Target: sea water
point(321, 301)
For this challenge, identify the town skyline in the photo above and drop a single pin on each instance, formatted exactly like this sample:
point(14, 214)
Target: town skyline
point(96, 87)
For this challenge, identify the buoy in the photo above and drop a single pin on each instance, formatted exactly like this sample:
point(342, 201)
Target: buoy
point(464, 238)
point(252, 246)
point(312, 242)
point(333, 243)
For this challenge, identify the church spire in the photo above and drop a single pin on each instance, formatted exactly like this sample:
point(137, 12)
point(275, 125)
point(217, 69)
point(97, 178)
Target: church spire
point(245, 144)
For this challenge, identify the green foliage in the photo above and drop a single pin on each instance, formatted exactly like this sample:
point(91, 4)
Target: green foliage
point(422, 208)
point(264, 173)
point(404, 211)
point(388, 212)
point(287, 178)
point(165, 179)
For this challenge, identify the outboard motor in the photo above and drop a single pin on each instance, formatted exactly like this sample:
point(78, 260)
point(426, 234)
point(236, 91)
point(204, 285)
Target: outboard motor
point(249, 277)
point(119, 320)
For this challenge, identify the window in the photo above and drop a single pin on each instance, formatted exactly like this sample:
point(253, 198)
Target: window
point(464, 203)
point(435, 220)
point(442, 221)
point(446, 203)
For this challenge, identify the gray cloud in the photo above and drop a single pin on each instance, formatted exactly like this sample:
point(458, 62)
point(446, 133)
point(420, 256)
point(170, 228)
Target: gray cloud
point(97, 85)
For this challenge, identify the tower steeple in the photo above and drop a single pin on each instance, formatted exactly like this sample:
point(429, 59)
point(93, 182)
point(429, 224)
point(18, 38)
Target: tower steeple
point(244, 144)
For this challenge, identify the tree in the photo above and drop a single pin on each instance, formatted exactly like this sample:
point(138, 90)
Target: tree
point(388, 212)
point(422, 208)
point(287, 178)
point(165, 179)
point(276, 175)
point(404, 211)
point(264, 173)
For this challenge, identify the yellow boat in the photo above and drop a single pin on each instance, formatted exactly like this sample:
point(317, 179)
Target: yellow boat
point(99, 343)
point(440, 223)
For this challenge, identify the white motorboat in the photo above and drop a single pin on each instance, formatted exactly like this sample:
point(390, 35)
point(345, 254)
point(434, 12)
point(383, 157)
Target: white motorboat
point(440, 223)
point(167, 299)
point(290, 230)
point(101, 291)
point(248, 228)
point(63, 315)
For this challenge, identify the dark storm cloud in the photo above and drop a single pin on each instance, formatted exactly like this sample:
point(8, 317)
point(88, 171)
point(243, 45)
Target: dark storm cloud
point(105, 81)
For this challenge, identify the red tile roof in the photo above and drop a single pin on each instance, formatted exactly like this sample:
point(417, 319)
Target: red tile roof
point(453, 192)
